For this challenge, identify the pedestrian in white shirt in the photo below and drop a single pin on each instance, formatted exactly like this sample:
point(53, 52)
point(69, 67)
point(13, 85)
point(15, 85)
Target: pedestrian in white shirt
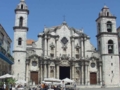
point(4, 86)
point(63, 85)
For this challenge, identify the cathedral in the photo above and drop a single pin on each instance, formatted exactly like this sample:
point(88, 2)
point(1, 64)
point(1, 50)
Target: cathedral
point(63, 51)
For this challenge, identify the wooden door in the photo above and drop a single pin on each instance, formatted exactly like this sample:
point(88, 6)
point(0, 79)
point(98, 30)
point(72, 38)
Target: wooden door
point(34, 77)
point(93, 78)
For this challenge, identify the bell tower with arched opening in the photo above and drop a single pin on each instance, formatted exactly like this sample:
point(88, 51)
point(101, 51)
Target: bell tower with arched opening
point(20, 37)
point(108, 47)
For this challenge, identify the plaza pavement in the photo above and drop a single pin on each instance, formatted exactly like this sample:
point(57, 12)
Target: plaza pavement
point(117, 88)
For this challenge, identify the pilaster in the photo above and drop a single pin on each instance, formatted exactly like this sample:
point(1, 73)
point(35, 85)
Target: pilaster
point(100, 68)
point(45, 46)
point(82, 67)
point(73, 46)
point(41, 73)
point(27, 70)
point(56, 40)
point(86, 73)
point(81, 47)
point(45, 71)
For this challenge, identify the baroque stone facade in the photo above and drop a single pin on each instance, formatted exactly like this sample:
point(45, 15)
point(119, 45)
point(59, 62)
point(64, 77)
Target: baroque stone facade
point(62, 51)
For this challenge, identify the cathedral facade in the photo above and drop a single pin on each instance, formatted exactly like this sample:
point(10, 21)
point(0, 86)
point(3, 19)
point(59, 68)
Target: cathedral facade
point(65, 52)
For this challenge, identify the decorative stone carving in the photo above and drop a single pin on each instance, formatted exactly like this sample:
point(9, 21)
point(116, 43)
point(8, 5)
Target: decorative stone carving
point(65, 57)
point(57, 58)
point(52, 45)
point(64, 63)
point(72, 39)
point(52, 68)
point(64, 47)
point(56, 38)
point(72, 58)
point(77, 69)
point(77, 46)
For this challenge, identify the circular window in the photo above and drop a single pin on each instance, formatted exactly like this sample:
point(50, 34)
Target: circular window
point(92, 65)
point(34, 63)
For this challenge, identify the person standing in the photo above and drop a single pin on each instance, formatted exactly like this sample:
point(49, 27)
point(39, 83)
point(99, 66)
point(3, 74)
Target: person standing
point(4, 86)
point(74, 86)
point(63, 85)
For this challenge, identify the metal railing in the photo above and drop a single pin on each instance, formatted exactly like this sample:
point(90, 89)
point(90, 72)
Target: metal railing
point(8, 55)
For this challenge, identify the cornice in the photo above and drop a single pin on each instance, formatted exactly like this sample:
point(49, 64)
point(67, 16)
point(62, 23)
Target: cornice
point(18, 51)
point(22, 10)
point(107, 33)
point(111, 17)
point(17, 27)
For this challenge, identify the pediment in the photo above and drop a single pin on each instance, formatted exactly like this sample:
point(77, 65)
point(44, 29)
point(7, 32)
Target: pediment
point(33, 56)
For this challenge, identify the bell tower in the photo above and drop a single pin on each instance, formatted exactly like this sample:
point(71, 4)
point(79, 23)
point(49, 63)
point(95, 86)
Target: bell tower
point(107, 42)
point(20, 37)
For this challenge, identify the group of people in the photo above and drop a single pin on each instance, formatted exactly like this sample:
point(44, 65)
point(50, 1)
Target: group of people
point(61, 86)
point(44, 86)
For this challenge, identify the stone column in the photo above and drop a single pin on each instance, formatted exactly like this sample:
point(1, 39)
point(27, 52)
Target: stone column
point(86, 73)
point(73, 73)
point(73, 45)
point(88, 77)
point(57, 71)
point(45, 71)
point(41, 72)
point(82, 68)
point(27, 71)
point(100, 68)
point(45, 46)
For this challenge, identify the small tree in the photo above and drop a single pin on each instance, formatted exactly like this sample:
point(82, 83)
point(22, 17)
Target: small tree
point(1, 83)
point(11, 81)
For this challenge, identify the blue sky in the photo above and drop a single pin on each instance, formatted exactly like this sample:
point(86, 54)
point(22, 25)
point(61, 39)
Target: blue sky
point(79, 14)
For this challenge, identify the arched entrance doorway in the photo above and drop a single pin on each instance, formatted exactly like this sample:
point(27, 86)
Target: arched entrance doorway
point(64, 72)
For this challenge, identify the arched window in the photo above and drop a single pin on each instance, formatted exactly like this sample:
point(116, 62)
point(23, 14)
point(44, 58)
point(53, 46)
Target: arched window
point(19, 41)
point(21, 22)
point(109, 26)
point(21, 6)
point(110, 47)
